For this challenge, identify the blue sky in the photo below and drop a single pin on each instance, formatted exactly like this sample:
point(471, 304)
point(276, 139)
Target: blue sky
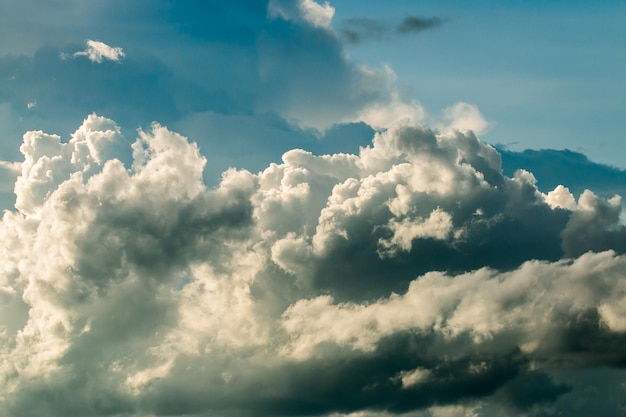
point(290, 208)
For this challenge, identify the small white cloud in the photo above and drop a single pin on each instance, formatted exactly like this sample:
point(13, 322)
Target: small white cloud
point(383, 115)
point(464, 116)
point(318, 14)
point(412, 378)
point(390, 108)
point(561, 197)
point(98, 51)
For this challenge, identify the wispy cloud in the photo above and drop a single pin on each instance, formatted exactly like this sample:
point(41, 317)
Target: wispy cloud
point(412, 24)
point(357, 30)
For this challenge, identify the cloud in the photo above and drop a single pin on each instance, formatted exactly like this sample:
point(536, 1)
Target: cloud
point(465, 116)
point(411, 276)
point(319, 15)
point(357, 30)
point(98, 51)
point(417, 24)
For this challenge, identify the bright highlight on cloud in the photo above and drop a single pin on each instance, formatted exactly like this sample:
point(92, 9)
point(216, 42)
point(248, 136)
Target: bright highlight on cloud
point(412, 276)
point(98, 51)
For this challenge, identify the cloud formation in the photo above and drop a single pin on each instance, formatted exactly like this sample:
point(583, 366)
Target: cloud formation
point(410, 277)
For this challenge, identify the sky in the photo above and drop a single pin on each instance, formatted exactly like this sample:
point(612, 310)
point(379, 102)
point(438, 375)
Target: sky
point(298, 208)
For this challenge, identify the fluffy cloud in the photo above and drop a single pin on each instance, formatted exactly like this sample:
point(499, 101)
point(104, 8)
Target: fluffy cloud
point(304, 289)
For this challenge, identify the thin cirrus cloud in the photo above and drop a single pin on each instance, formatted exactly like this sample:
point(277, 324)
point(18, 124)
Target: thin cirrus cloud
point(303, 289)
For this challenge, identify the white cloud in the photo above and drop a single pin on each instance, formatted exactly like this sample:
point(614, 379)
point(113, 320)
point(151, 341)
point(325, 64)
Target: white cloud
point(390, 108)
point(527, 304)
point(98, 51)
point(464, 116)
point(382, 115)
point(561, 197)
point(414, 377)
point(319, 15)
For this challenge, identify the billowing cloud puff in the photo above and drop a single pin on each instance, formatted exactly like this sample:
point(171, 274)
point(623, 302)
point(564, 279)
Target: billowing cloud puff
point(98, 51)
point(410, 277)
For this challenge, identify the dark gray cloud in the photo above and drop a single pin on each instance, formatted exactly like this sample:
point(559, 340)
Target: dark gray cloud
point(417, 24)
point(357, 30)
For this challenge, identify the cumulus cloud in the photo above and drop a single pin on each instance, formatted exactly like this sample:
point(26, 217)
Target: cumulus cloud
point(98, 51)
point(412, 276)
